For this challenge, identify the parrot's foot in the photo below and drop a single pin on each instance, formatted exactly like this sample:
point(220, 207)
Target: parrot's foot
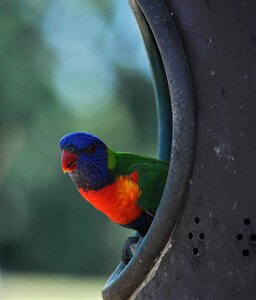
point(129, 248)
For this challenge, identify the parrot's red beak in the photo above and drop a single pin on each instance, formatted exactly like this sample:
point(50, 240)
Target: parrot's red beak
point(69, 161)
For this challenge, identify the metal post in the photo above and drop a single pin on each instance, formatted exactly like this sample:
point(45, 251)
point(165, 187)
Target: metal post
point(209, 252)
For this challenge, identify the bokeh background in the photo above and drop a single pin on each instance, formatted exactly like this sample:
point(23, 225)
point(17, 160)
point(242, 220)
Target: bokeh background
point(64, 66)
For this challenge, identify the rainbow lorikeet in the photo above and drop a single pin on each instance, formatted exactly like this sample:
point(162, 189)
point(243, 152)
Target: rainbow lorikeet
point(124, 186)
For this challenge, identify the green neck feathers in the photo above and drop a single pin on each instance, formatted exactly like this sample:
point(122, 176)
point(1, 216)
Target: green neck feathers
point(111, 159)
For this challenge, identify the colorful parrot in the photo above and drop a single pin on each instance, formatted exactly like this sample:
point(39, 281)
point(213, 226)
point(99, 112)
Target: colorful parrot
point(124, 186)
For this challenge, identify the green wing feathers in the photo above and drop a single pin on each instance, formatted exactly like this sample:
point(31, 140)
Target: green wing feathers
point(152, 177)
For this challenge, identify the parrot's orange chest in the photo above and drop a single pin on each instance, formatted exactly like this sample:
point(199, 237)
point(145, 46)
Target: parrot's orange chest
point(117, 200)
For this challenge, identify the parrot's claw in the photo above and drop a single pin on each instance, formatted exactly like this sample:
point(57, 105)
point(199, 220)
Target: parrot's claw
point(130, 247)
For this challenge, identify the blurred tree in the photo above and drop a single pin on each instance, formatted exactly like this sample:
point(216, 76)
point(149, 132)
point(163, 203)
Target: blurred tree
point(139, 101)
point(40, 227)
point(44, 224)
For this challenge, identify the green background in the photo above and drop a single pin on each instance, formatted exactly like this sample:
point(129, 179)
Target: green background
point(65, 66)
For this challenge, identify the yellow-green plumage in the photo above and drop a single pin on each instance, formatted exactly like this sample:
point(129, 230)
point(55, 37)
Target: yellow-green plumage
point(151, 180)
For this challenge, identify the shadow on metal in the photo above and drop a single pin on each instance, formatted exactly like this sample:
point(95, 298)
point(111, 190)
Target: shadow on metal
point(175, 103)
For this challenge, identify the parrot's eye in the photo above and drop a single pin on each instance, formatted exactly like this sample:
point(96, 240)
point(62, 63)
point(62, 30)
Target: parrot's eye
point(91, 149)
point(70, 149)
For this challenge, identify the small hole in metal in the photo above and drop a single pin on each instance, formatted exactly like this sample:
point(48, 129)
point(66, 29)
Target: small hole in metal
point(190, 235)
point(201, 236)
point(239, 237)
point(197, 220)
point(253, 237)
point(246, 252)
point(247, 221)
point(195, 252)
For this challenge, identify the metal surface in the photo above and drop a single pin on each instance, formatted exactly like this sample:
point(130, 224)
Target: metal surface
point(176, 112)
point(214, 245)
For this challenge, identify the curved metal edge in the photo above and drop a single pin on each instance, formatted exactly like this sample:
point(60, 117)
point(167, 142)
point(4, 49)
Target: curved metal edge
point(125, 280)
point(163, 100)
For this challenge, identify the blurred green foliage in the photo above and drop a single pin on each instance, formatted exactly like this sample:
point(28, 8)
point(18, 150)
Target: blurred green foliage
point(44, 223)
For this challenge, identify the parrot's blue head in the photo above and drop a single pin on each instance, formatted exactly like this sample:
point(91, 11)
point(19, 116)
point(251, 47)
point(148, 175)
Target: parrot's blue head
point(85, 158)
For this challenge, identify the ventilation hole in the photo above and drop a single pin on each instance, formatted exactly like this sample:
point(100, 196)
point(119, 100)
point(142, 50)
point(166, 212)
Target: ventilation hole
point(239, 237)
point(201, 236)
point(246, 252)
point(197, 220)
point(247, 221)
point(195, 252)
point(253, 237)
point(190, 235)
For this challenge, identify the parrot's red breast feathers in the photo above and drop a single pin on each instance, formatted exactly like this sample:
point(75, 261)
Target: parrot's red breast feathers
point(134, 176)
point(117, 200)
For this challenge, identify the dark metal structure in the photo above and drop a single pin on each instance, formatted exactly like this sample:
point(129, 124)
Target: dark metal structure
point(202, 243)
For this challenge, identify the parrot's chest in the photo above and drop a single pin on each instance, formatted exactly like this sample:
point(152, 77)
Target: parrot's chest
point(118, 200)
